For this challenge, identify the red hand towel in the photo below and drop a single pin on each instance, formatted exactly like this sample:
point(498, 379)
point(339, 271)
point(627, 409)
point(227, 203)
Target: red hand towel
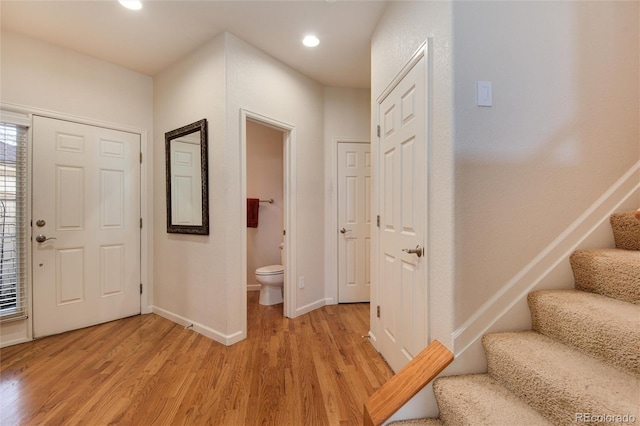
point(253, 204)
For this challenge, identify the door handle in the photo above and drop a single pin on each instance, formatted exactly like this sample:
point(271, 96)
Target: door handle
point(417, 251)
point(42, 238)
point(343, 231)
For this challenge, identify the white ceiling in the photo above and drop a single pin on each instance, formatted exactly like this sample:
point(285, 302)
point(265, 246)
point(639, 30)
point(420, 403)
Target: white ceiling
point(149, 40)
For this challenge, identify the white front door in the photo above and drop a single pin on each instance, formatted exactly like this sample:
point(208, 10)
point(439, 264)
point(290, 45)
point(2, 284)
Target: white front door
point(354, 219)
point(85, 225)
point(402, 292)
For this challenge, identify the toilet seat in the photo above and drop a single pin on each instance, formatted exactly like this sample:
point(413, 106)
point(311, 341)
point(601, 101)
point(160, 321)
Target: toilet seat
point(270, 270)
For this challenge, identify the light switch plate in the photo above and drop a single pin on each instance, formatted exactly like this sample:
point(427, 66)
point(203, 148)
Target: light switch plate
point(483, 93)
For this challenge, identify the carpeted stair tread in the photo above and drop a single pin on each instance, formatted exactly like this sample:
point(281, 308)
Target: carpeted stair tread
point(605, 328)
point(612, 272)
point(418, 422)
point(557, 380)
point(479, 399)
point(626, 230)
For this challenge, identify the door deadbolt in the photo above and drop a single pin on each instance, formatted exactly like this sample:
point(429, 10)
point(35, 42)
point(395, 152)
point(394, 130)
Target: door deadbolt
point(40, 223)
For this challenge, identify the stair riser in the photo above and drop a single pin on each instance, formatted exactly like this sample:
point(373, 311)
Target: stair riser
point(590, 330)
point(610, 273)
point(626, 230)
point(552, 403)
point(449, 407)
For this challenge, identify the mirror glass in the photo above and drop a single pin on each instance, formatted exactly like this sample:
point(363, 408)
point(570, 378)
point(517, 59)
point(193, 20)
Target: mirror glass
point(187, 177)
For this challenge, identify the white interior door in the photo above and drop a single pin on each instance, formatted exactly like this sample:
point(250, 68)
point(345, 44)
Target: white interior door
point(85, 225)
point(354, 218)
point(402, 292)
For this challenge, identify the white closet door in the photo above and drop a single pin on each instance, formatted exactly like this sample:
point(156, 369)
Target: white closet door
point(402, 292)
point(354, 218)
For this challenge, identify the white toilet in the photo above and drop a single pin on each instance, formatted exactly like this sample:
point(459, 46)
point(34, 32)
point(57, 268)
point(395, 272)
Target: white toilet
point(271, 278)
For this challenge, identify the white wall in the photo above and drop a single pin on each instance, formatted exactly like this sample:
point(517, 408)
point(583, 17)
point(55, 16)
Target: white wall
point(190, 278)
point(346, 118)
point(265, 180)
point(543, 168)
point(38, 77)
point(44, 76)
point(260, 84)
point(563, 128)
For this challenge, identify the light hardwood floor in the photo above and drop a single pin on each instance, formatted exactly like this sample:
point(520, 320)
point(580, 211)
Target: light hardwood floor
point(316, 369)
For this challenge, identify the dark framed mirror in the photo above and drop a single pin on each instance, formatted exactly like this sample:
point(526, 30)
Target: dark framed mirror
point(187, 179)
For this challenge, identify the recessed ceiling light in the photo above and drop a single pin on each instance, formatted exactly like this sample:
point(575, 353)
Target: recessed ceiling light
point(310, 41)
point(131, 4)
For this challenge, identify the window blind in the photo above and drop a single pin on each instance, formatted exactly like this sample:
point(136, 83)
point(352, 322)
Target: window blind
point(13, 221)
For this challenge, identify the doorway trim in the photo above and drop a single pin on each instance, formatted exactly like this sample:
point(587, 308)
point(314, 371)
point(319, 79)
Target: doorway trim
point(289, 141)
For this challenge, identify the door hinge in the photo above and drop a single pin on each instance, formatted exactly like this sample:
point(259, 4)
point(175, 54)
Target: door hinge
point(378, 221)
point(378, 311)
point(140, 288)
point(378, 130)
point(140, 223)
point(140, 157)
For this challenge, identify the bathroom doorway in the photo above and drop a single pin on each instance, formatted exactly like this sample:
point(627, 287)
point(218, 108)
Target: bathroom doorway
point(268, 175)
point(265, 182)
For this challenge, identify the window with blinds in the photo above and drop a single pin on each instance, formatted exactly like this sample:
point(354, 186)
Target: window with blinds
point(13, 217)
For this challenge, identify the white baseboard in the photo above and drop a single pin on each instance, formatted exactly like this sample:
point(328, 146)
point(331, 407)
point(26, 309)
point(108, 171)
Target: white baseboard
point(253, 287)
point(225, 339)
point(7, 343)
point(516, 289)
point(310, 307)
point(330, 301)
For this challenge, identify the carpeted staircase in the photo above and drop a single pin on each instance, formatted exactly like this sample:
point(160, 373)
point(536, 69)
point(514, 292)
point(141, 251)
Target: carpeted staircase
point(579, 364)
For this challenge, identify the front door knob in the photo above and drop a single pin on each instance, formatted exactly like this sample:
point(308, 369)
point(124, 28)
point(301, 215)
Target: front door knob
point(42, 238)
point(343, 230)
